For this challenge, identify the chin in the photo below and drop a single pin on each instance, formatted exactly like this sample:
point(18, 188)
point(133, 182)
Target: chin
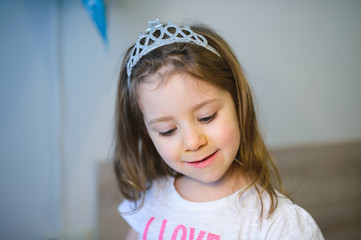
point(209, 179)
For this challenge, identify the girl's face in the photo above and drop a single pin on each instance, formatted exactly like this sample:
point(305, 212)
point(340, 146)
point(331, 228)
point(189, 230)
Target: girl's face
point(192, 124)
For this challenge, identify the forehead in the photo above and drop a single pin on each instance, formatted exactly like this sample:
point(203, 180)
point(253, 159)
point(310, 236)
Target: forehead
point(178, 92)
point(170, 81)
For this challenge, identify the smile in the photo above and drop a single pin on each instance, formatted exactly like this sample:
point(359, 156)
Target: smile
point(204, 162)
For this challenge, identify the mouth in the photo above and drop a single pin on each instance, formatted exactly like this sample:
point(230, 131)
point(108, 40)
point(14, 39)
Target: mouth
point(204, 162)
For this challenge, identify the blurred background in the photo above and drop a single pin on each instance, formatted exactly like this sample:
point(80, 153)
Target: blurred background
point(58, 79)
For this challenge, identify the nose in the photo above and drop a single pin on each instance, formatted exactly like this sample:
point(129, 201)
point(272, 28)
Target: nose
point(193, 139)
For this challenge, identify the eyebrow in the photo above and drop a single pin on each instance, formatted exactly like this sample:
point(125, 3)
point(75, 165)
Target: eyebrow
point(194, 108)
point(200, 105)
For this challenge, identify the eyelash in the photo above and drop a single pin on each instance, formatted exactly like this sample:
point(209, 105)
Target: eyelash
point(202, 120)
point(209, 118)
point(167, 133)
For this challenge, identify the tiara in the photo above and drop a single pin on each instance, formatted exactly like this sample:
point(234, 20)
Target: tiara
point(147, 42)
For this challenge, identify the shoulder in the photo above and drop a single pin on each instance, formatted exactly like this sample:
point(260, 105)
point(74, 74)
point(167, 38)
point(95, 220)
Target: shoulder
point(134, 212)
point(156, 189)
point(290, 221)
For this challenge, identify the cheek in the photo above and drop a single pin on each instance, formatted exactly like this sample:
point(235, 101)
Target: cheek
point(228, 135)
point(166, 149)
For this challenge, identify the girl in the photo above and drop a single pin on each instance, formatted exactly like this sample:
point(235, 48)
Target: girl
point(190, 160)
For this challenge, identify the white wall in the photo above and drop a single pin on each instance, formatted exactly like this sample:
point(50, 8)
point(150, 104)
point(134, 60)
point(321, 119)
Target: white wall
point(90, 74)
point(302, 59)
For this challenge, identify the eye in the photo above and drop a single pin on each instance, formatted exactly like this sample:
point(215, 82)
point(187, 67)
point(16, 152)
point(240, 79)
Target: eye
point(167, 133)
point(208, 119)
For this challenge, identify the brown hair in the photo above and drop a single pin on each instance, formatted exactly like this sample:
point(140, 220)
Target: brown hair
point(137, 163)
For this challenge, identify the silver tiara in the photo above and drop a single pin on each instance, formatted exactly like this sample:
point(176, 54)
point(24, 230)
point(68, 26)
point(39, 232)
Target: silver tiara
point(147, 42)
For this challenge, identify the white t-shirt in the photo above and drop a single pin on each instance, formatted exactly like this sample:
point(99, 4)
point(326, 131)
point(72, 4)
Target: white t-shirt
point(166, 215)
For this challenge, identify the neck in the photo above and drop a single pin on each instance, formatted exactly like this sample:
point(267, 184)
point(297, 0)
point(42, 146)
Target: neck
point(195, 191)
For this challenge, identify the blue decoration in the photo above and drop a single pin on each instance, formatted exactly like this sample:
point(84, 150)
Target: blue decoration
point(96, 10)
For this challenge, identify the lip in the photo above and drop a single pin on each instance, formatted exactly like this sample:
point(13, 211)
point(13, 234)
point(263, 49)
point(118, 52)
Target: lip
point(204, 162)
